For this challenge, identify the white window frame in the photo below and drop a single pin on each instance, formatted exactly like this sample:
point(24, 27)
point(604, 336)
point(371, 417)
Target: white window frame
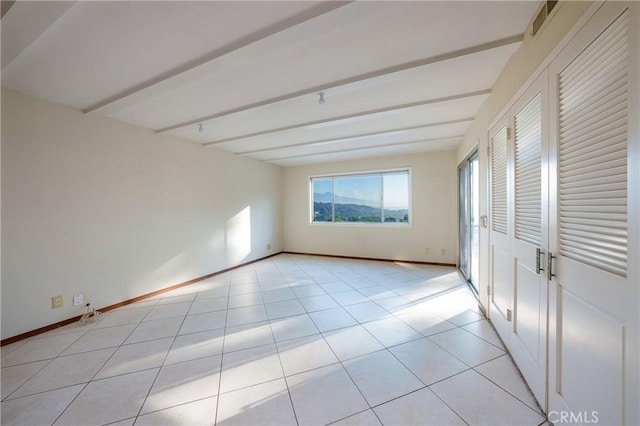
point(379, 172)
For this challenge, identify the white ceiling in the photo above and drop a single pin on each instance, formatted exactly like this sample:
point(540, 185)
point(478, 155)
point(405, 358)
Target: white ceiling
point(397, 77)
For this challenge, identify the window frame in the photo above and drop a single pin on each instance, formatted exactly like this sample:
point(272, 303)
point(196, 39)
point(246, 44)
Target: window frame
point(362, 173)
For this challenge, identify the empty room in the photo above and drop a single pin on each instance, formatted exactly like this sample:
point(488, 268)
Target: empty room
point(320, 212)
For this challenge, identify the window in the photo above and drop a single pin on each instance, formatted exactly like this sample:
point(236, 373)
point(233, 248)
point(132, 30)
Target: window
point(376, 197)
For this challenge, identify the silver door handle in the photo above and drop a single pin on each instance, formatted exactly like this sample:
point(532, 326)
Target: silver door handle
point(550, 273)
point(539, 254)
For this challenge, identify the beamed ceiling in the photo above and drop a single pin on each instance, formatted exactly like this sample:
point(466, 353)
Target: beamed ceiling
point(396, 77)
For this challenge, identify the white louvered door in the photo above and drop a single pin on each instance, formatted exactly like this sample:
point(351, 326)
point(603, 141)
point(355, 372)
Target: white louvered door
point(594, 297)
point(528, 340)
point(500, 286)
point(518, 237)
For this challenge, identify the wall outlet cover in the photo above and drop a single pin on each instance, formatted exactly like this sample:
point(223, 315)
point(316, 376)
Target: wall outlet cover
point(57, 301)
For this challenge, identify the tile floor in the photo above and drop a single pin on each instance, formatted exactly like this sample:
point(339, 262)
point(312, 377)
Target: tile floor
point(288, 340)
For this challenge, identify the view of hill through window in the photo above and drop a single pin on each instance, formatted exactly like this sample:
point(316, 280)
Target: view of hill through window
point(375, 198)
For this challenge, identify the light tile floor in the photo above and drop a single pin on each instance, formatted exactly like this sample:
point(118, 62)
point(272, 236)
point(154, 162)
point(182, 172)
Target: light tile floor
point(288, 340)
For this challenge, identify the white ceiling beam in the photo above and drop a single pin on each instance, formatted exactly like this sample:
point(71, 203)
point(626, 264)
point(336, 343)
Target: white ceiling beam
point(356, 115)
point(6, 5)
point(340, 151)
point(373, 74)
point(362, 135)
point(252, 38)
point(26, 21)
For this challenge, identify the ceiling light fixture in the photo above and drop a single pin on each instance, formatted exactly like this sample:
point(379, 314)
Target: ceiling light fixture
point(200, 128)
point(321, 99)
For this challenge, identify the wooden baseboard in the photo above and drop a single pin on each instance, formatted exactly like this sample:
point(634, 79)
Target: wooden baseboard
point(416, 262)
point(68, 321)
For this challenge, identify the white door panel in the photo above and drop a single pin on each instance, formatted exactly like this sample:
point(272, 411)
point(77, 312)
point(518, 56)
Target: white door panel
point(500, 289)
point(530, 298)
point(519, 292)
point(594, 295)
point(588, 362)
point(528, 343)
point(500, 272)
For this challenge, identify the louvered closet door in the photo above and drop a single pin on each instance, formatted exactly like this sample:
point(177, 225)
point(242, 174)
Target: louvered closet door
point(500, 285)
point(527, 343)
point(594, 297)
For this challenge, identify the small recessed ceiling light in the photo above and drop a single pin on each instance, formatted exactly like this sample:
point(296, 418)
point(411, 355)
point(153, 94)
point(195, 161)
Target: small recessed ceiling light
point(321, 100)
point(200, 128)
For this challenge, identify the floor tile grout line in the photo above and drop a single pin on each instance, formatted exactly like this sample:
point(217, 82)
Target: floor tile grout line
point(162, 409)
point(6, 398)
point(144, 401)
point(347, 372)
point(420, 332)
point(501, 387)
point(474, 370)
point(355, 414)
point(58, 354)
point(63, 356)
point(45, 391)
point(70, 403)
point(13, 346)
point(454, 355)
point(520, 376)
point(284, 376)
point(462, 327)
point(224, 338)
point(407, 367)
point(448, 406)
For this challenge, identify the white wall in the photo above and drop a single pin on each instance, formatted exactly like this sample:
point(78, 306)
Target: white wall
point(434, 190)
point(520, 67)
point(115, 211)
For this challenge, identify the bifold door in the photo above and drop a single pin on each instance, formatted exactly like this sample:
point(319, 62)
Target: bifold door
point(594, 303)
point(565, 232)
point(519, 290)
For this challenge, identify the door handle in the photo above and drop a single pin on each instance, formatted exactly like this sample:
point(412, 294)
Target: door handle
point(550, 273)
point(539, 254)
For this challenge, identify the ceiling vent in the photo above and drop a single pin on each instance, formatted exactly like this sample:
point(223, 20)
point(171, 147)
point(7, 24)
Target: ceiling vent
point(545, 11)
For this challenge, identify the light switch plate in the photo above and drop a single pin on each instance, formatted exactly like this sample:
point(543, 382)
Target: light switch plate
point(78, 299)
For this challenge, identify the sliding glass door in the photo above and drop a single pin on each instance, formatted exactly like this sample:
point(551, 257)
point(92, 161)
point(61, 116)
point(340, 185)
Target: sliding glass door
point(469, 218)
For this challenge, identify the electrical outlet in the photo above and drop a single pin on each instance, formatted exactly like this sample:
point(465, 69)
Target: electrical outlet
point(78, 299)
point(57, 301)
point(426, 251)
point(443, 252)
point(269, 246)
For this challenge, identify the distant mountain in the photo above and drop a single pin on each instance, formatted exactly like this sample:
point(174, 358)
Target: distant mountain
point(326, 198)
point(357, 213)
